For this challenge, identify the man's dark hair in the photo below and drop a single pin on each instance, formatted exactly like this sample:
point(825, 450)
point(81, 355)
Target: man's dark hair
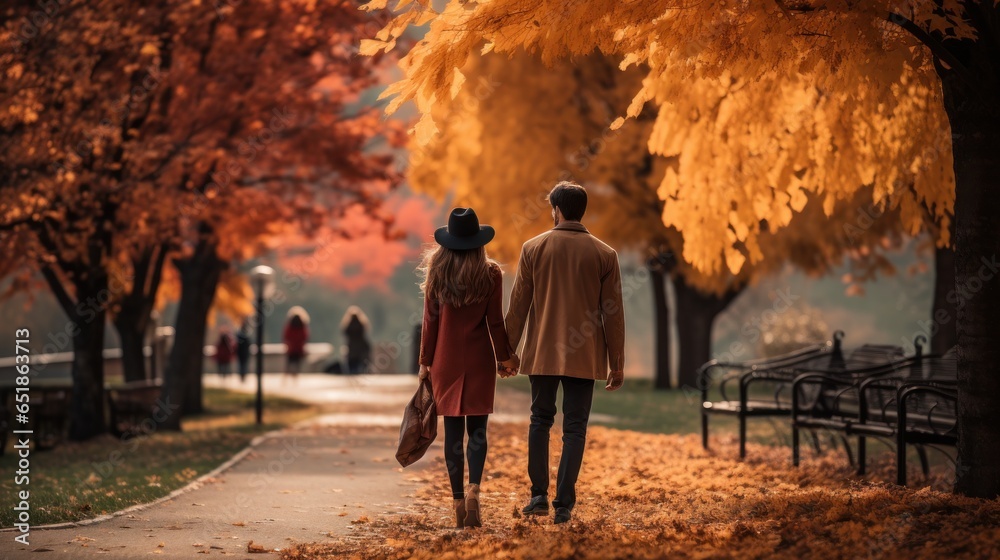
point(570, 199)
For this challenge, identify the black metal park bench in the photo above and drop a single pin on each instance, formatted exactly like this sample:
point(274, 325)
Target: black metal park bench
point(740, 404)
point(773, 378)
point(830, 400)
point(874, 402)
point(133, 407)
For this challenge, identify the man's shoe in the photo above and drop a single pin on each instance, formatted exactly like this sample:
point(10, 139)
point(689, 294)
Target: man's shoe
point(563, 515)
point(539, 505)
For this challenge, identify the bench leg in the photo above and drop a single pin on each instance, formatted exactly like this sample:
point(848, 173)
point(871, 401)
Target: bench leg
point(743, 437)
point(862, 454)
point(924, 464)
point(901, 463)
point(704, 430)
point(815, 440)
point(795, 445)
point(847, 448)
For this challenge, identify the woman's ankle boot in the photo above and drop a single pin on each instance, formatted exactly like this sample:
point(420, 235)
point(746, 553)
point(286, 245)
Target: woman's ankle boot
point(472, 516)
point(460, 513)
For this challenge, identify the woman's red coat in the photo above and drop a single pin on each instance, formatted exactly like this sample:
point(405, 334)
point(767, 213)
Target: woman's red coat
point(457, 344)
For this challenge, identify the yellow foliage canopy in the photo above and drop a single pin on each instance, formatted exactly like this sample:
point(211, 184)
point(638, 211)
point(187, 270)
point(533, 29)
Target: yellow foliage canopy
point(760, 106)
point(517, 127)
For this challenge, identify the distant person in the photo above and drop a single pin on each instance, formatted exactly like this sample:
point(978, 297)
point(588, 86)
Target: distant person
point(243, 343)
point(463, 337)
point(295, 336)
point(355, 327)
point(225, 350)
point(566, 307)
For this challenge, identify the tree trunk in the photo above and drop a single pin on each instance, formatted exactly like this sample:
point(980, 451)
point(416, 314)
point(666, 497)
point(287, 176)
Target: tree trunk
point(133, 342)
point(944, 315)
point(661, 332)
point(199, 276)
point(87, 408)
point(133, 319)
point(87, 314)
point(975, 127)
point(696, 312)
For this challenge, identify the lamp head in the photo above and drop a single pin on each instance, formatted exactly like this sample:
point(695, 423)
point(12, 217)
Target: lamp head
point(262, 277)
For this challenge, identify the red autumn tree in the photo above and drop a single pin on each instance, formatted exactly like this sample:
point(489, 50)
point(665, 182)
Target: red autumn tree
point(138, 134)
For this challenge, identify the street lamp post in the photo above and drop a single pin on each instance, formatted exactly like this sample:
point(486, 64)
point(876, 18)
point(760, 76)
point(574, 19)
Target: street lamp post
point(262, 278)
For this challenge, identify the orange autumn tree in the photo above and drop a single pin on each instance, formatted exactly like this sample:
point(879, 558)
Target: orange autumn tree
point(365, 257)
point(172, 131)
point(501, 148)
point(870, 58)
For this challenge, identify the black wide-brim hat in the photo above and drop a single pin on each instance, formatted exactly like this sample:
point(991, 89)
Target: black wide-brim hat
point(463, 231)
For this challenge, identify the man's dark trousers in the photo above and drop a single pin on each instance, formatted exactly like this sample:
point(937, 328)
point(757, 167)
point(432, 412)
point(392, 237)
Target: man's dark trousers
point(578, 394)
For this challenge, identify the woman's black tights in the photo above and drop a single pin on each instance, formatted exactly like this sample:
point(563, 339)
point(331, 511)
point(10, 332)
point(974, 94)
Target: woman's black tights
point(454, 446)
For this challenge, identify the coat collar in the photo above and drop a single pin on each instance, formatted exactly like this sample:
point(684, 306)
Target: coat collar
point(572, 226)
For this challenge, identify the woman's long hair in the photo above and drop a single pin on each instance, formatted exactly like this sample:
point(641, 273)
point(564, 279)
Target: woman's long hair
point(354, 312)
point(298, 311)
point(457, 277)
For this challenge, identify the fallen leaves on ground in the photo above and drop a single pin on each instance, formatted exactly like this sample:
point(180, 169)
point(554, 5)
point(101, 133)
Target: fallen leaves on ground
point(656, 496)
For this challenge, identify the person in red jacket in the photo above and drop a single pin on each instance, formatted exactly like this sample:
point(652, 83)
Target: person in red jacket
point(225, 350)
point(462, 339)
point(295, 336)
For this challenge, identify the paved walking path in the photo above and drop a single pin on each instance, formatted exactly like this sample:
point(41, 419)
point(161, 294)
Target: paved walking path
point(307, 483)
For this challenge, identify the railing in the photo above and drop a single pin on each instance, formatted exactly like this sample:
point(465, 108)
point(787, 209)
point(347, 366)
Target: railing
point(55, 369)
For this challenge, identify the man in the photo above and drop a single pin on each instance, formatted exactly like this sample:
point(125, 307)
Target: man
point(567, 301)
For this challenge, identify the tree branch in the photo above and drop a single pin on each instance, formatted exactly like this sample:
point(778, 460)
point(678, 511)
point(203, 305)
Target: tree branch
point(936, 47)
point(943, 55)
point(62, 295)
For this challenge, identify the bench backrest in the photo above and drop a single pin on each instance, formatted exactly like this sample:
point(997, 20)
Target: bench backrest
point(141, 392)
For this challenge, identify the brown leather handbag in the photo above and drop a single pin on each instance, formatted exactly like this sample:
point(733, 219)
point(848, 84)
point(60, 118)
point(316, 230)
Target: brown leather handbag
point(419, 426)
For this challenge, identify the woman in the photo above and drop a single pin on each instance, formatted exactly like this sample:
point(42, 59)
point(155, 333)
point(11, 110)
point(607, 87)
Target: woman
point(225, 349)
point(243, 348)
point(463, 336)
point(355, 327)
point(295, 336)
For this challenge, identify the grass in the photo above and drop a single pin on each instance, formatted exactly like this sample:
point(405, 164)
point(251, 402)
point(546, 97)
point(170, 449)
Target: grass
point(639, 407)
point(80, 480)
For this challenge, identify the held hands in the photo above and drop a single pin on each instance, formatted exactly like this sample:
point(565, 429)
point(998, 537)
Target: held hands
point(509, 367)
point(615, 381)
point(424, 372)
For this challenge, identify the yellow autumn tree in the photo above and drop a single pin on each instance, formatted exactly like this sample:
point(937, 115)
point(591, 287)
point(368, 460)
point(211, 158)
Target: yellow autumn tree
point(517, 127)
point(883, 62)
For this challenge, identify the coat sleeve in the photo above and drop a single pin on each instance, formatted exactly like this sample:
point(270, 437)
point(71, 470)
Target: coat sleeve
point(520, 300)
point(494, 318)
point(613, 313)
point(429, 330)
